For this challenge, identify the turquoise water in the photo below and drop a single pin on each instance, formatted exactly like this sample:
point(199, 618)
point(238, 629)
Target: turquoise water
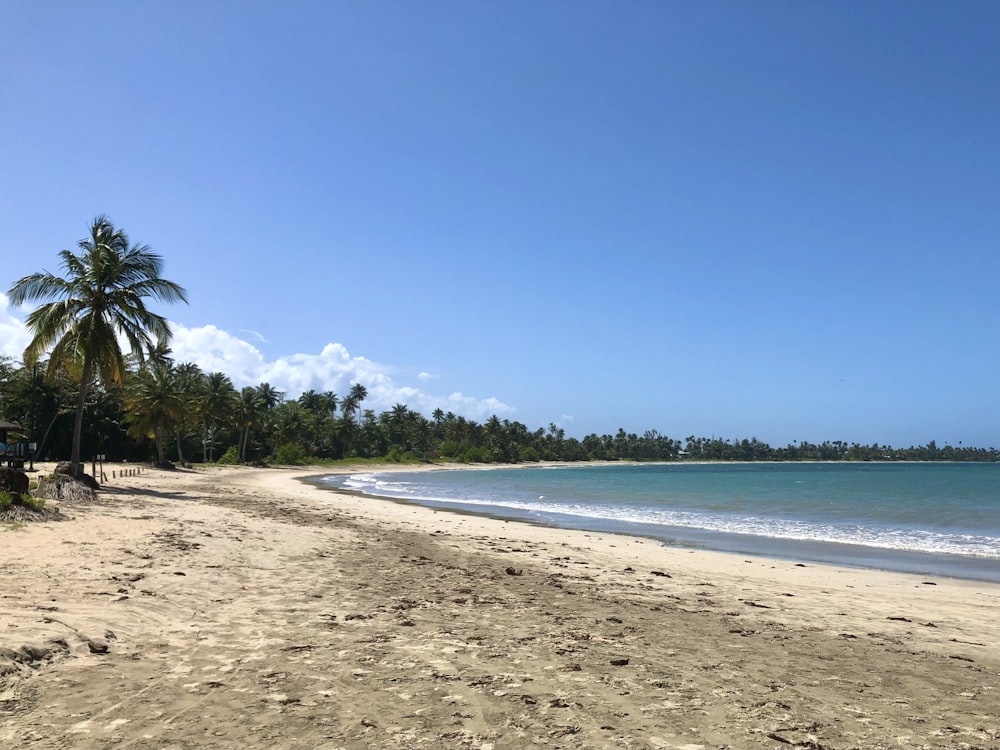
point(939, 518)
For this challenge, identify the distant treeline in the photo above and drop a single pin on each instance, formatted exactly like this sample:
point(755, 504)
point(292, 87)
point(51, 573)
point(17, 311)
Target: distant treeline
point(175, 412)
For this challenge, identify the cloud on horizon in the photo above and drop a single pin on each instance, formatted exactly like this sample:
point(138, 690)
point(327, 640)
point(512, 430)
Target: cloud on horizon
point(13, 335)
point(333, 369)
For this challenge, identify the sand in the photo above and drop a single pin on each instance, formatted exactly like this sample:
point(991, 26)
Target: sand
point(241, 608)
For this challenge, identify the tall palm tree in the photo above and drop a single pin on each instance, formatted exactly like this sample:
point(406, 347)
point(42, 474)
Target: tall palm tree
point(155, 404)
point(101, 298)
point(189, 380)
point(269, 398)
point(350, 405)
point(218, 403)
point(247, 414)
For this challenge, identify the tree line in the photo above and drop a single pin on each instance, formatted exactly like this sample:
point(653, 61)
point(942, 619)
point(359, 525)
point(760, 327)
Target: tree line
point(165, 412)
point(140, 404)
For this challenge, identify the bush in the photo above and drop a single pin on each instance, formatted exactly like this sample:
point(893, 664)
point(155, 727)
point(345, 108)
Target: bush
point(527, 453)
point(290, 454)
point(231, 457)
point(450, 449)
point(475, 456)
point(25, 501)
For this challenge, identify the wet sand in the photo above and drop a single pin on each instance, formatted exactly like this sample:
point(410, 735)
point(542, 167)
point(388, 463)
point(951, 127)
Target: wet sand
point(241, 608)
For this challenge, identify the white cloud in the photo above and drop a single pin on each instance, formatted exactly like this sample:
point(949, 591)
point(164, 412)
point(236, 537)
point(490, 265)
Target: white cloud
point(423, 377)
point(333, 369)
point(255, 335)
point(13, 335)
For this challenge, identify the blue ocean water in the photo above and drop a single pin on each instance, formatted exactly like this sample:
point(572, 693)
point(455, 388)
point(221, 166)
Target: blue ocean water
point(936, 518)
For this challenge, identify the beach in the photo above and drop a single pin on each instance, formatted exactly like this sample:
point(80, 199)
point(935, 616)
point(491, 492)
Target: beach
point(243, 608)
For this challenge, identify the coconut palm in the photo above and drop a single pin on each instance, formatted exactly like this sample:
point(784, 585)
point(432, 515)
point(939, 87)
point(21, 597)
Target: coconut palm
point(247, 413)
point(155, 403)
point(101, 299)
point(189, 380)
point(218, 399)
point(351, 403)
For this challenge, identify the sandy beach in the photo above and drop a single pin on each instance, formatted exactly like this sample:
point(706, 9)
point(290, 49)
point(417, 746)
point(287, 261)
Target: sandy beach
point(242, 608)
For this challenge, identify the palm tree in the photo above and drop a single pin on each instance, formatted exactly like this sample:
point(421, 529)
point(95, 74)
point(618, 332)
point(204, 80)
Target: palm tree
point(189, 379)
point(269, 398)
point(101, 298)
point(218, 402)
point(247, 414)
point(155, 404)
point(352, 402)
point(350, 406)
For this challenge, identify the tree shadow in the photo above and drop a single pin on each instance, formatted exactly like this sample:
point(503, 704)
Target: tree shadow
point(146, 492)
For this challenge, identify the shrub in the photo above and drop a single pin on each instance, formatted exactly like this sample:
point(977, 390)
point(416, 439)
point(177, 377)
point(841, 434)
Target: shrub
point(25, 501)
point(231, 457)
point(475, 455)
point(290, 454)
point(527, 453)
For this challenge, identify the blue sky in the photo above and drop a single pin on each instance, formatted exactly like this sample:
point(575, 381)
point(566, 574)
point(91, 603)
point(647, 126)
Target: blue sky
point(772, 219)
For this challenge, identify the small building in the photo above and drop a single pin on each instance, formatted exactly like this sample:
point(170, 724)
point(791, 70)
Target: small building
point(12, 453)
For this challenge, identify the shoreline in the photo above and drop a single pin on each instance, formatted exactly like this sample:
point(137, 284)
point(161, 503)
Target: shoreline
point(238, 607)
point(815, 552)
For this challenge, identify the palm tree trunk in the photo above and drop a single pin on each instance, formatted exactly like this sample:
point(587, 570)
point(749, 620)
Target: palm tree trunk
point(161, 454)
point(45, 437)
point(243, 443)
point(180, 450)
point(81, 401)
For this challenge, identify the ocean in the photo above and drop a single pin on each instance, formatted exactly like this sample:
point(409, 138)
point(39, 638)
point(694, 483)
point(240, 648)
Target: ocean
point(930, 518)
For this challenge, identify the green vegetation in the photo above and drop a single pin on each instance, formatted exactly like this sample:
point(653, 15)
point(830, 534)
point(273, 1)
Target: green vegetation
point(101, 298)
point(165, 411)
point(8, 500)
point(145, 406)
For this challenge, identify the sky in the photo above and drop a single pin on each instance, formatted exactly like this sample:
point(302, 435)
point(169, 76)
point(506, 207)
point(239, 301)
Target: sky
point(775, 219)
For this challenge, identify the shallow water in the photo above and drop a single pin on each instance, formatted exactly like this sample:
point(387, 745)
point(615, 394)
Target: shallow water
point(941, 518)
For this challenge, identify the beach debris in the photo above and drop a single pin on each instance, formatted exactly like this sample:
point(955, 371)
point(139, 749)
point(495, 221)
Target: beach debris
point(928, 583)
point(564, 731)
point(514, 571)
point(622, 662)
point(750, 603)
point(630, 569)
point(558, 703)
point(98, 645)
point(660, 573)
point(899, 618)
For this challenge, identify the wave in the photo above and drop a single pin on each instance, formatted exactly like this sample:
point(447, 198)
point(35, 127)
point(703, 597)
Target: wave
point(660, 521)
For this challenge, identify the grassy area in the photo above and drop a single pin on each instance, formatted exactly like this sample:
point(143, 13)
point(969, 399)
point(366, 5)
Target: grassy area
point(9, 500)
